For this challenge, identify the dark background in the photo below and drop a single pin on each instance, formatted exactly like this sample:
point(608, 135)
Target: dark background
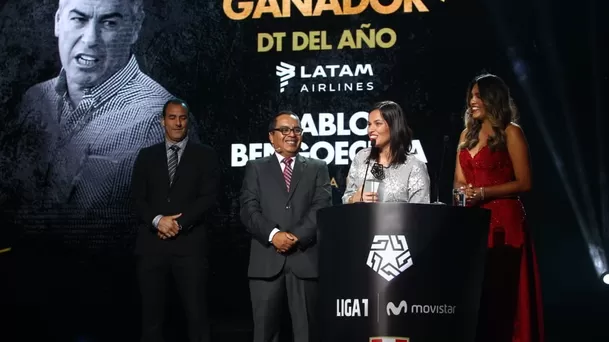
point(553, 55)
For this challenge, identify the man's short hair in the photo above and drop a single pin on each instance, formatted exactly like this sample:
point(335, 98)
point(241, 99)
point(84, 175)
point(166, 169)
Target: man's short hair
point(137, 8)
point(273, 121)
point(176, 102)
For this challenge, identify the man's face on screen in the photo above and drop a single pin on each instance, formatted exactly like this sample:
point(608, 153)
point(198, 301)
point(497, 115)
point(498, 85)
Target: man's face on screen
point(95, 38)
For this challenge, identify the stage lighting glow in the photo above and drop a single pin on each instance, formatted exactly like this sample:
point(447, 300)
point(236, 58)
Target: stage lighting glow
point(605, 278)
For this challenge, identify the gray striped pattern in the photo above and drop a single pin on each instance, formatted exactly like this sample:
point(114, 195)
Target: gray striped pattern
point(173, 162)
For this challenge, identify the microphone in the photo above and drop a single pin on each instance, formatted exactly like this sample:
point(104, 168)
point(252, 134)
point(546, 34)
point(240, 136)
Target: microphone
point(439, 173)
point(378, 171)
point(373, 144)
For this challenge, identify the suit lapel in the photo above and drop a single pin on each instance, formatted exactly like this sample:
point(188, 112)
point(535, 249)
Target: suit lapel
point(162, 159)
point(299, 168)
point(274, 169)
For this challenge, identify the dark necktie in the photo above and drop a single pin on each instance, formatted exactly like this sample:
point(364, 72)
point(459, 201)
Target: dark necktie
point(287, 172)
point(173, 162)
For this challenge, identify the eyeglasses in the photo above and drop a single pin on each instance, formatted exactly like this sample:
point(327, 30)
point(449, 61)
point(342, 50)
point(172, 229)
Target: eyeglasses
point(286, 130)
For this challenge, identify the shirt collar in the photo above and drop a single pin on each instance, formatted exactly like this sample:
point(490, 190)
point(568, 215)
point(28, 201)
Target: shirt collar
point(108, 88)
point(181, 144)
point(280, 158)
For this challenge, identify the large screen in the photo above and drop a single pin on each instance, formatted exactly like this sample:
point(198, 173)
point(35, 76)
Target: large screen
point(69, 139)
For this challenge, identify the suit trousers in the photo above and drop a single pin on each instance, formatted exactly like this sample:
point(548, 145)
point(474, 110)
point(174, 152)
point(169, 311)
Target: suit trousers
point(267, 302)
point(190, 276)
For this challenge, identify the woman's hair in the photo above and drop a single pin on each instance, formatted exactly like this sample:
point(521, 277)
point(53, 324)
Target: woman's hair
point(400, 138)
point(500, 111)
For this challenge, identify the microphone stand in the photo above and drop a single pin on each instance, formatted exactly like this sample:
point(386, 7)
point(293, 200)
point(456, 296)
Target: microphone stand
point(373, 144)
point(439, 174)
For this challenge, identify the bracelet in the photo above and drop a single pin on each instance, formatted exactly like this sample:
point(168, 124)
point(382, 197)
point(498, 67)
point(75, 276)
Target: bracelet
point(482, 193)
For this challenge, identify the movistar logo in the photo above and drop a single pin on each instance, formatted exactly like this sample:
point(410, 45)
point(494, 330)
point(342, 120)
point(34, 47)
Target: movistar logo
point(415, 309)
point(396, 310)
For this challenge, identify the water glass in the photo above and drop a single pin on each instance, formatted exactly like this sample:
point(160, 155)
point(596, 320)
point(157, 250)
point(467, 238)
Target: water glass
point(459, 198)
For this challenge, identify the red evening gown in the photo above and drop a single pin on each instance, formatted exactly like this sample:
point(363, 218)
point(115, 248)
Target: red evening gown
point(510, 308)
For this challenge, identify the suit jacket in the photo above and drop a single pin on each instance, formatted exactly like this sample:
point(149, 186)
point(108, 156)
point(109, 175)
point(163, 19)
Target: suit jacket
point(193, 193)
point(266, 204)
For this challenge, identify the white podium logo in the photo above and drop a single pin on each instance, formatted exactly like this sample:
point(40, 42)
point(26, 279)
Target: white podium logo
point(389, 256)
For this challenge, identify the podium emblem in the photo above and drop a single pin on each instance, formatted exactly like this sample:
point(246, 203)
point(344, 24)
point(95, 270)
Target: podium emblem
point(389, 256)
point(389, 339)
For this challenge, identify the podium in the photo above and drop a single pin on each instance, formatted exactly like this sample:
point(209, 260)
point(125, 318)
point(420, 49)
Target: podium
point(400, 272)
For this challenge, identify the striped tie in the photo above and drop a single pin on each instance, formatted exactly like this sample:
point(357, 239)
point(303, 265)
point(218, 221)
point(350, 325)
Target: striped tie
point(173, 162)
point(287, 172)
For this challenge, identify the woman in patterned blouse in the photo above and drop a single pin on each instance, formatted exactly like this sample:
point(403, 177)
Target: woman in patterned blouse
point(402, 177)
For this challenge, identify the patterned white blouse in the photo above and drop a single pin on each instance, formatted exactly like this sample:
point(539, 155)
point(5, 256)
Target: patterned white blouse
point(407, 182)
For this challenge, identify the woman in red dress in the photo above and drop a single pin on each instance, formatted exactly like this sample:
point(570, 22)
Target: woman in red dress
point(493, 169)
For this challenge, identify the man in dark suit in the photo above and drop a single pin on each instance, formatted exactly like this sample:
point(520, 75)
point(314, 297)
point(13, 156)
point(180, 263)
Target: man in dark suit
point(174, 185)
point(280, 197)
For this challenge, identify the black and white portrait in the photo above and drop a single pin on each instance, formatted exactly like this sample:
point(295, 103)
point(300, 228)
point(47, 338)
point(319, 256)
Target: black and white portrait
point(77, 134)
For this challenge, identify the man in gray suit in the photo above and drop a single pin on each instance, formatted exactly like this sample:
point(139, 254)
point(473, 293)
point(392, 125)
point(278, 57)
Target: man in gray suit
point(280, 197)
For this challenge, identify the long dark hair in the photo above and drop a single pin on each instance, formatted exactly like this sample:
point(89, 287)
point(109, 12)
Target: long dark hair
point(500, 111)
point(400, 138)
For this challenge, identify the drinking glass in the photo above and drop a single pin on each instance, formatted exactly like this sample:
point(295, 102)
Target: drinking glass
point(459, 199)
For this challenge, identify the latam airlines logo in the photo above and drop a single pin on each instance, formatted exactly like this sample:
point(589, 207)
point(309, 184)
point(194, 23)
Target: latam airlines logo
point(389, 256)
point(285, 72)
point(326, 78)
